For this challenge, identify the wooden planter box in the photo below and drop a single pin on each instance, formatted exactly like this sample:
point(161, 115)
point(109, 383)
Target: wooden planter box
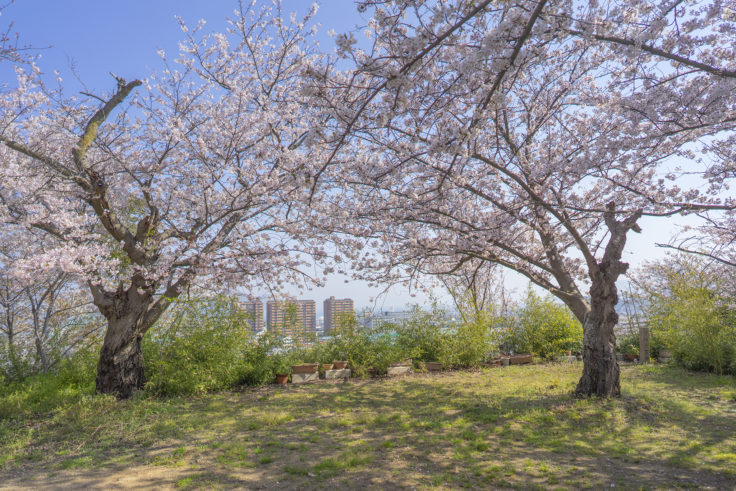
point(433, 366)
point(522, 359)
point(340, 365)
point(305, 368)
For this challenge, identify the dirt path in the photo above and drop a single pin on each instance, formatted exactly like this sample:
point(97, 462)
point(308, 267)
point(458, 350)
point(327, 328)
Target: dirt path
point(140, 477)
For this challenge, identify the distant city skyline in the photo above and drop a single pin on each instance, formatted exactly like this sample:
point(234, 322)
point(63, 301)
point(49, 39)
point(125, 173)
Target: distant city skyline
point(305, 320)
point(377, 307)
point(254, 309)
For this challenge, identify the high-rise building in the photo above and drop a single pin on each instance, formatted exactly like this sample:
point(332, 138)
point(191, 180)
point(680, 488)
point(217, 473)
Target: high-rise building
point(291, 317)
point(333, 308)
point(254, 309)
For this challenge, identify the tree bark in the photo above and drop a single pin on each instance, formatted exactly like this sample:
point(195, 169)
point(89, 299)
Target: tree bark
point(128, 314)
point(120, 367)
point(600, 368)
point(43, 357)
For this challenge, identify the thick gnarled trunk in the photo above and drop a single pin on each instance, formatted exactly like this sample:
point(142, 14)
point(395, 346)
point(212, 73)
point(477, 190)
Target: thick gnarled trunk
point(120, 367)
point(600, 368)
point(129, 314)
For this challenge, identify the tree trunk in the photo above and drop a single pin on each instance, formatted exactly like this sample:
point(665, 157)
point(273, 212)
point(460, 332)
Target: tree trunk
point(129, 313)
point(120, 368)
point(43, 357)
point(600, 368)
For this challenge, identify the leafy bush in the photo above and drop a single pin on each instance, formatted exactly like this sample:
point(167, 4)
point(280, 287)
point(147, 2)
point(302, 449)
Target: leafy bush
point(368, 348)
point(73, 380)
point(424, 337)
point(544, 328)
point(472, 343)
point(628, 344)
point(383, 350)
point(17, 364)
point(259, 363)
point(207, 346)
point(693, 319)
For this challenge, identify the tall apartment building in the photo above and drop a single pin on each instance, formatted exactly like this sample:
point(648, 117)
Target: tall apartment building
point(254, 309)
point(333, 307)
point(292, 321)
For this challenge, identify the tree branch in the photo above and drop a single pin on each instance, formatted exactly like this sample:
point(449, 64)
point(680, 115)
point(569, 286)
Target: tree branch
point(721, 72)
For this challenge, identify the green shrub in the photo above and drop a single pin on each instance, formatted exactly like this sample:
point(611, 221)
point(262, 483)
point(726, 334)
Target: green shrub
point(694, 321)
point(73, 380)
point(472, 342)
point(17, 364)
point(380, 349)
point(543, 327)
point(628, 344)
point(423, 336)
point(208, 346)
point(259, 361)
point(369, 348)
point(657, 343)
point(309, 350)
point(476, 337)
point(361, 348)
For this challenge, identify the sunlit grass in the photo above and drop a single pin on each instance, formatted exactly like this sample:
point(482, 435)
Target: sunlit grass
point(518, 426)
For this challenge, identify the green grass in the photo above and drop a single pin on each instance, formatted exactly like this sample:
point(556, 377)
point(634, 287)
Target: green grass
point(511, 427)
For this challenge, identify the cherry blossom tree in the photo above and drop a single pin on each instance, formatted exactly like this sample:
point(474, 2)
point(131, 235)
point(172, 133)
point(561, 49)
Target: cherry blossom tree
point(43, 319)
point(193, 176)
point(503, 133)
point(680, 77)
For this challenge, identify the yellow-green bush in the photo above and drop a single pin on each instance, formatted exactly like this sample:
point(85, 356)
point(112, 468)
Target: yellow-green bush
point(693, 318)
point(207, 346)
point(544, 327)
point(71, 380)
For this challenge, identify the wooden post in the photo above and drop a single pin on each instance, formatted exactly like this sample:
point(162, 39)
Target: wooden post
point(643, 344)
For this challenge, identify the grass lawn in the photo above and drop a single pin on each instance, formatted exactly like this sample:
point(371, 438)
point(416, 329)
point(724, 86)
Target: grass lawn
point(510, 427)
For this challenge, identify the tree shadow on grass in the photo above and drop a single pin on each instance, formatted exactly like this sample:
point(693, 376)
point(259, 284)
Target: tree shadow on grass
point(417, 431)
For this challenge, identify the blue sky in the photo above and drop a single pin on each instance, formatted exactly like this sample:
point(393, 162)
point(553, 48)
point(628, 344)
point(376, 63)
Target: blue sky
point(91, 38)
point(97, 37)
